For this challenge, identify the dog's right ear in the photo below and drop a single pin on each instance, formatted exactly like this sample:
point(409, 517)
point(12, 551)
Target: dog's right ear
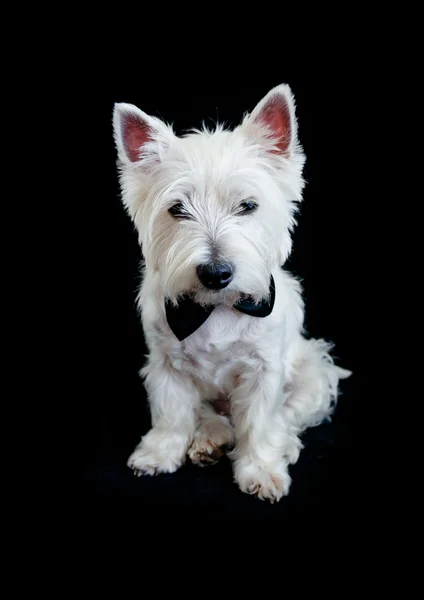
point(138, 135)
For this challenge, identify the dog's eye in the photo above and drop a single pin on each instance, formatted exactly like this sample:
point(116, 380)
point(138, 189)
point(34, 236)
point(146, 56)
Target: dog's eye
point(178, 211)
point(247, 207)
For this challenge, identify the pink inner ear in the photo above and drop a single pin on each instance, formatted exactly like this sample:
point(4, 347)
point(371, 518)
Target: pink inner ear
point(276, 115)
point(135, 133)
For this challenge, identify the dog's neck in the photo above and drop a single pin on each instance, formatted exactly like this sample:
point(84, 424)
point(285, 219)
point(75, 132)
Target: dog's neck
point(186, 317)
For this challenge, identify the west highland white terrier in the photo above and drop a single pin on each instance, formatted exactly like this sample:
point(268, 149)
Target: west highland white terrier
point(230, 368)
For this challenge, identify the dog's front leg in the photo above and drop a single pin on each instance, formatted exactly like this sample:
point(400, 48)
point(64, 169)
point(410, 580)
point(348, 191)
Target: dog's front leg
point(261, 433)
point(173, 401)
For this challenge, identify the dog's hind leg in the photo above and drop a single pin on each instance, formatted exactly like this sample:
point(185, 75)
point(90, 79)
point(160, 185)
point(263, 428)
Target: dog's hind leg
point(214, 434)
point(311, 384)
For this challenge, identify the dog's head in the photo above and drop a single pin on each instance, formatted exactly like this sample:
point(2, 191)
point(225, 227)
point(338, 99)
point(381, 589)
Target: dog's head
point(214, 210)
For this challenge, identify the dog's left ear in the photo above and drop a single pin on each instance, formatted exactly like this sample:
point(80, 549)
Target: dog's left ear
point(275, 118)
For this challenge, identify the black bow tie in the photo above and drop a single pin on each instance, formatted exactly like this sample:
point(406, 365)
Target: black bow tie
point(188, 316)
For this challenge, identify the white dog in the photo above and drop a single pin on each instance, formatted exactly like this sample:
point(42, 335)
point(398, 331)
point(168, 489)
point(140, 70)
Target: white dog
point(229, 366)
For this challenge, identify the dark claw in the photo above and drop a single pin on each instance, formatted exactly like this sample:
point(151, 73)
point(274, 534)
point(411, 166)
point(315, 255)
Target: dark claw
point(206, 462)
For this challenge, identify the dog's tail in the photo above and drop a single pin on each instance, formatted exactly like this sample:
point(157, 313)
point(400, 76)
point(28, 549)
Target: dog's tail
point(312, 383)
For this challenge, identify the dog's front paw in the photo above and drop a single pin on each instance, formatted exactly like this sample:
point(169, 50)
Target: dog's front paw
point(265, 482)
point(158, 452)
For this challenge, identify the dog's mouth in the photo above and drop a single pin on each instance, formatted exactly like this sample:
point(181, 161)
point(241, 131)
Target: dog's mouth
point(202, 295)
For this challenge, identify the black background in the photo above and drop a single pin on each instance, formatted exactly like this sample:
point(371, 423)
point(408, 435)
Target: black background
point(325, 256)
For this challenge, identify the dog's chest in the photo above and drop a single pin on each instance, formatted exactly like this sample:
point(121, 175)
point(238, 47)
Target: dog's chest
point(215, 353)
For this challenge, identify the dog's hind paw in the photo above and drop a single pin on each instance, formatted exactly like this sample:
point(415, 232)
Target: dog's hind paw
point(212, 438)
point(204, 452)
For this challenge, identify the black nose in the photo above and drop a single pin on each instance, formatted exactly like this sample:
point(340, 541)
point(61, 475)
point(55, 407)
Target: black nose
point(215, 276)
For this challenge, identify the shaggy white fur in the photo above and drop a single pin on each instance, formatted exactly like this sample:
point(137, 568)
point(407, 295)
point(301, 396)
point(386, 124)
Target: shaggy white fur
point(224, 198)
